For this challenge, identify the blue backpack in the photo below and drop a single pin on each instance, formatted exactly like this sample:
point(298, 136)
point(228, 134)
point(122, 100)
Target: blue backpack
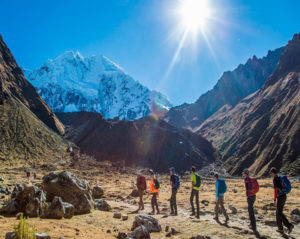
point(222, 186)
point(177, 181)
point(286, 185)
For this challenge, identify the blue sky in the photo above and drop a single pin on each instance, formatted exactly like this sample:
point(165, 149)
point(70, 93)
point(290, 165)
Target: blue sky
point(142, 36)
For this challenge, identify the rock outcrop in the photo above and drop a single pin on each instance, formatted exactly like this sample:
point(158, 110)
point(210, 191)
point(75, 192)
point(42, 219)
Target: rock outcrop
point(71, 189)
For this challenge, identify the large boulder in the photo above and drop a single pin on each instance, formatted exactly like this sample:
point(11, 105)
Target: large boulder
point(102, 205)
point(28, 200)
point(140, 232)
point(98, 192)
point(71, 189)
point(149, 222)
point(17, 189)
point(59, 209)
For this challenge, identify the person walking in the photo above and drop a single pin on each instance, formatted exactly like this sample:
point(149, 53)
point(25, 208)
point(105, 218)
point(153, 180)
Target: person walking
point(141, 186)
point(175, 184)
point(251, 190)
point(279, 201)
point(154, 190)
point(196, 182)
point(221, 188)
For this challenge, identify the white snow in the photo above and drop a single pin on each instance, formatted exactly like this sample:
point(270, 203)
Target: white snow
point(72, 82)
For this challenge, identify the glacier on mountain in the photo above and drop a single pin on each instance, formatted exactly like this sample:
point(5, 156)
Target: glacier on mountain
point(72, 83)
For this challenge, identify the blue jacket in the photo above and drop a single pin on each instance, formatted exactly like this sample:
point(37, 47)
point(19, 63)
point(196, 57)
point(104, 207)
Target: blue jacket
point(217, 190)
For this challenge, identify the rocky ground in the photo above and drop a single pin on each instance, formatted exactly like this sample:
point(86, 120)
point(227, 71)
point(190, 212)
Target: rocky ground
point(118, 184)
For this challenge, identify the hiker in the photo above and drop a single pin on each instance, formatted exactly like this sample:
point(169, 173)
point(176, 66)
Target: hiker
point(141, 186)
point(196, 182)
point(175, 184)
point(154, 190)
point(282, 187)
point(251, 190)
point(221, 188)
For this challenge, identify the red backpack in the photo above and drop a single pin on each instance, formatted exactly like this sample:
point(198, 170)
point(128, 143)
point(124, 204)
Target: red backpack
point(253, 187)
point(141, 183)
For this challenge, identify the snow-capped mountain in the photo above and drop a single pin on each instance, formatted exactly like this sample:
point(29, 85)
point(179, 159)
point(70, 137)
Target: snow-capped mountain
point(73, 83)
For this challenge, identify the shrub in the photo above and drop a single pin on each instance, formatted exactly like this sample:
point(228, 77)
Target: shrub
point(23, 231)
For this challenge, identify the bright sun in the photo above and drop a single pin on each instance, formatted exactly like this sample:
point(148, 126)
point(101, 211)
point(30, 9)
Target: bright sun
point(194, 13)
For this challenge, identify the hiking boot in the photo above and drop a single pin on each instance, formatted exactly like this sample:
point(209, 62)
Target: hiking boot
point(192, 214)
point(198, 217)
point(291, 228)
point(216, 218)
point(158, 212)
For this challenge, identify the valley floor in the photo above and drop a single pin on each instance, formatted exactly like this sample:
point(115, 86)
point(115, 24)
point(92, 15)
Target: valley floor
point(118, 185)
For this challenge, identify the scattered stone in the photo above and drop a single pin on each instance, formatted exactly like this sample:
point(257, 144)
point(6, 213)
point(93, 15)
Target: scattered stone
point(42, 236)
point(1, 179)
point(205, 202)
point(167, 229)
point(71, 189)
point(124, 217)
point(147, 221)
point(117, 215)
point(270, 223)
point(255, 211)
point(233, 209)
point(260, 217)
point(174, 232)
point(295, 218)
point(18, 216)
point(77, 230)
point(234, 191)
point(134, 192)
point(243, 218)
point(102, 205)
point(59, 209)
point(10, 235)
point(165, 216)
point(122, 235)
point(296, 212)
point(169, 234)
point(108, 231)
point(140, 232)
point(98, 192)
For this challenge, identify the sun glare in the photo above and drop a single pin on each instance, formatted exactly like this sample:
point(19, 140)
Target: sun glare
point(194, 13)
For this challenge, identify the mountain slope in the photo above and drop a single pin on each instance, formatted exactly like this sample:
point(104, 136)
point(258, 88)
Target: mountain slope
point(148, 142)
point(229, 90)
point(72, 83)
point(27, 124)
point(263, 130)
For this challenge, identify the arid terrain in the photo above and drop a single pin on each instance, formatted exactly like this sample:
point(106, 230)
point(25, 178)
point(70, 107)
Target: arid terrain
point(118, 184)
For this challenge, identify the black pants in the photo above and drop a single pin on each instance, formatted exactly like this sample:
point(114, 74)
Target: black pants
point(154, 203)
point(280, 217)
point(195, 193)
point(173, 201)
point(251, 201)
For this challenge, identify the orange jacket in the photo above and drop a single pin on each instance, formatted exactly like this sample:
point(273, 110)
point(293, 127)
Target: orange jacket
point(152, 187)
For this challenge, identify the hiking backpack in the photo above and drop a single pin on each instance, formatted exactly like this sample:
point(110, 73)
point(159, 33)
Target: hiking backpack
point(198, 180)
point(177, 181)
point(286, 184)
point(222, 186)
point(142, 183)
point(156, 184)
point(253, 187)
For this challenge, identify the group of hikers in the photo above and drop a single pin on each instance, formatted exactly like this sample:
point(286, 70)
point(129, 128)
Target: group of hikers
point(281, 184)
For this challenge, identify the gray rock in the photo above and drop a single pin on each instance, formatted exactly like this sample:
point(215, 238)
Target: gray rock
point(117, 215)
point(1, 179)
point(102, 205)
point(42, 236)
point(296, 212)
point(122, 235)
point(124, 217)
point(134, 192)
point(233, 209)
point(140, 232)
point(98, 192)
point(9, 209)
point(295, 218)
point(147, 221)
point(10, 235)
point(59, 209)
point(71, 189)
